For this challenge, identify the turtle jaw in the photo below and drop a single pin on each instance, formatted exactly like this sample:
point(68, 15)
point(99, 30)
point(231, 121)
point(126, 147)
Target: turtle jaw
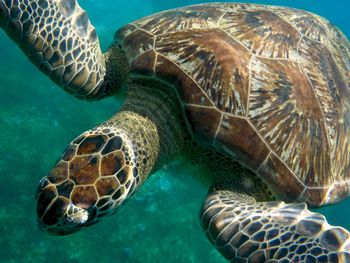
point(73, 220)
point(57, 215)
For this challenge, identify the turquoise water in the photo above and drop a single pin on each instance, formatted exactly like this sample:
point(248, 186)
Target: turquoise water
point(37, 120)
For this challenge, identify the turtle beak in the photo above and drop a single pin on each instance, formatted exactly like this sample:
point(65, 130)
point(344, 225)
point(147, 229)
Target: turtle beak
point(57, 215)
point(61, 219)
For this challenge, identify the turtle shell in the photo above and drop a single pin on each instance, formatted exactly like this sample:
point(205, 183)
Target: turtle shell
point(266, 85)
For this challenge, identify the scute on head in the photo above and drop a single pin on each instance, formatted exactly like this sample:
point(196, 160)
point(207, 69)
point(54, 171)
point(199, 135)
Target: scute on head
point(86, 184)
point(84, 196)
point(112, 163)
point(91, 144)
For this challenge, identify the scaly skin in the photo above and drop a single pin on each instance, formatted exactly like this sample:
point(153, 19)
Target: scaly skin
point(58, 38)
point(101, 168)
point(244, 230)
point(105, 165)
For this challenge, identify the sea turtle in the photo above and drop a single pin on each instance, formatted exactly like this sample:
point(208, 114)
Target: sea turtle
point(258, 94)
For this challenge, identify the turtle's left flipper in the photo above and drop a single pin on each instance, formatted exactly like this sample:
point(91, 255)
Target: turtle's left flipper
point(244, 230)
point(58, 38)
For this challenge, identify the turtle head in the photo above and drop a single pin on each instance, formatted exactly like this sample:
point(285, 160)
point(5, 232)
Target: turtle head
point(92, 179)
point(57, 37)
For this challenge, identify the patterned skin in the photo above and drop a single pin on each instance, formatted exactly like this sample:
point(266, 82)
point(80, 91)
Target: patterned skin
point(263, 86)
point(274, 232)
point(58, 38)
point(97, 171)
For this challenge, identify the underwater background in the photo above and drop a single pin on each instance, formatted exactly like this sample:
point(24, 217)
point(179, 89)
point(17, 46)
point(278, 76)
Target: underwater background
point(37, 120)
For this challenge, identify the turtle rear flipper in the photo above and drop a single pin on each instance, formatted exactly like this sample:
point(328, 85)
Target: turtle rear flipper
point(244, 230)
point(59, 39)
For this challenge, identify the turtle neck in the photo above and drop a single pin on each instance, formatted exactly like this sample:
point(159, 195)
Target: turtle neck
point(157, 113)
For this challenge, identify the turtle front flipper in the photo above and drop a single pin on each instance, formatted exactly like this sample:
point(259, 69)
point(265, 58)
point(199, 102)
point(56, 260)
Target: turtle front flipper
point(59, 39)
point(244, 230)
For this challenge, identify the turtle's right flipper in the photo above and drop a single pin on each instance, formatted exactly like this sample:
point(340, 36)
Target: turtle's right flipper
point(244, 230)
point(59, 39)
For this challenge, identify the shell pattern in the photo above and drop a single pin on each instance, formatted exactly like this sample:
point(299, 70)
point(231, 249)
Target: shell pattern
point(266, 85)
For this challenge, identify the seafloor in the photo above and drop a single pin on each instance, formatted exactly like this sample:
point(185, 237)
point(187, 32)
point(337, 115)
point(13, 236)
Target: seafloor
point(37, 120)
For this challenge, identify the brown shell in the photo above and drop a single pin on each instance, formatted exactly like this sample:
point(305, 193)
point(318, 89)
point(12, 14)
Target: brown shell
point(266, 85)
